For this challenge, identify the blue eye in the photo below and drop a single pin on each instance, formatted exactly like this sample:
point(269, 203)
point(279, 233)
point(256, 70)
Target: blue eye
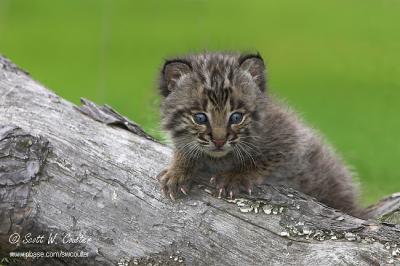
point(200, 118)
point(236, 118)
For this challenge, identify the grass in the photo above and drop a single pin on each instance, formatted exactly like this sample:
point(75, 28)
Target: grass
point(337, 62)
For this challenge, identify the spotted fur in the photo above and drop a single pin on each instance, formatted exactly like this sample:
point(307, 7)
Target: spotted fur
point(270, 144)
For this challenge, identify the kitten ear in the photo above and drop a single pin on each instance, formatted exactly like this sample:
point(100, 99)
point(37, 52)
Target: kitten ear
point(254, 65)
point(172, 71)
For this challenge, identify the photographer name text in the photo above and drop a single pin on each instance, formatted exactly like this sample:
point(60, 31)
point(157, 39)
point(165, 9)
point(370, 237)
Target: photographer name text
point(50, 239)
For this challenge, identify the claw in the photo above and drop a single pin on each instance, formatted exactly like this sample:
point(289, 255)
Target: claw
point(172, 196)
point(183, 190)
point(212, 180)
point(221, 190)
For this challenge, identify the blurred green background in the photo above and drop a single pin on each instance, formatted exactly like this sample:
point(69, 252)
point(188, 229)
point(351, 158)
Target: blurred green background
point(337, 62)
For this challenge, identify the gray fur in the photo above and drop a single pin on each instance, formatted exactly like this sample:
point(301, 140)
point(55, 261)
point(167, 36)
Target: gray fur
point(271, 144)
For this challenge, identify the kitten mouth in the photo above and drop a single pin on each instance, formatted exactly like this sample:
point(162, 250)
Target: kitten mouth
point(218, 152)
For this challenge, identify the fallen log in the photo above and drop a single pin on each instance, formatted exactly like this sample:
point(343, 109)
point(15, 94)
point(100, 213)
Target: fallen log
point(85, 176)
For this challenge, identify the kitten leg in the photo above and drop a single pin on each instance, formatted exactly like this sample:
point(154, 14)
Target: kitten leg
point(176, 179)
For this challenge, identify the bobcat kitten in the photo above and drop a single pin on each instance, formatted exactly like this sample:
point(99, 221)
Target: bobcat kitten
point(218, 113)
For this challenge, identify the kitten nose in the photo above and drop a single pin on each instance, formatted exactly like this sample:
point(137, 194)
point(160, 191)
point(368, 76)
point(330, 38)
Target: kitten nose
point(219, 142)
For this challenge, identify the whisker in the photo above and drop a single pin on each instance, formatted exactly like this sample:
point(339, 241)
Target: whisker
point(248, 153)
point(189, 151)
point(247, 137)
point(251, 147)
point(241, 158)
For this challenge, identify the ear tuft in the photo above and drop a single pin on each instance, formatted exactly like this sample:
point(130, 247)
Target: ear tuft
point(172, 71)
point(254, 65)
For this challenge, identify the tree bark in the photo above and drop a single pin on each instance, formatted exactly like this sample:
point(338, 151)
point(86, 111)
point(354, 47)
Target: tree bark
point(88, 172)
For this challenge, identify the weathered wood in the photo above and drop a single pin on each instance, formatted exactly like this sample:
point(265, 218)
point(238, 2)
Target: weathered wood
point(80, 171)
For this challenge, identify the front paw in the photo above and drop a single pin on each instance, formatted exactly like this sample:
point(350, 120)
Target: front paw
point(173, 183)
point(230, 184)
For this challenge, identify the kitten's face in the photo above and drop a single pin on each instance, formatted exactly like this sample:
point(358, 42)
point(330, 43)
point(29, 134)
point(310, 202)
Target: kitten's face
point(212, 103)
point(218, 124)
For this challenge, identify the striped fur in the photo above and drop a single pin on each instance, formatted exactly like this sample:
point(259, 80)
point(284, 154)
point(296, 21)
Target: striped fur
point(270, 144)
